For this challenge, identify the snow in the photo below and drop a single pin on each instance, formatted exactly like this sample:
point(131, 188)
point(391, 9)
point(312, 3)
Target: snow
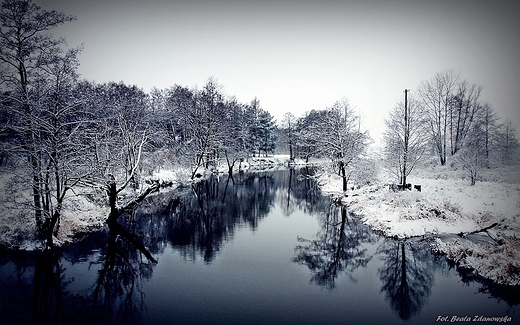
point(83, 211)
point(500, 263)
point(447, 205)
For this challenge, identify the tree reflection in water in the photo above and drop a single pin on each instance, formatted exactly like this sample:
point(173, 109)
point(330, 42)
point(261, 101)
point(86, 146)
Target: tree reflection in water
point(48, 286)
point(198, 220)
point(117, 296)
point(205, 216)
point(42, 288)
point(509, 294)
point(406, 274)
point(338, 247)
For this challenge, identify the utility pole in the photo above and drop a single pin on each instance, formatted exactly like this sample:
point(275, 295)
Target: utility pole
point(406, 135)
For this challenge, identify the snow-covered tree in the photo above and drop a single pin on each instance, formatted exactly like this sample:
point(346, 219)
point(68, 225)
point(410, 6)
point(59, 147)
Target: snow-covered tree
point(288, 127)
point(488, 124)
point(341, 138)
point(452, 107)
point(194, 124)
point(307, 133)
point(472, 157)
point(464, 111)
point(262, 127)
point(24, 39)
point(121, 120)
point(234, 133)
point(49, 127)
point(508, 145)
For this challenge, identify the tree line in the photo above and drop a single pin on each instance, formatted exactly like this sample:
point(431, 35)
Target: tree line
point(59, 132)
point(334, 133)
point(446, 118)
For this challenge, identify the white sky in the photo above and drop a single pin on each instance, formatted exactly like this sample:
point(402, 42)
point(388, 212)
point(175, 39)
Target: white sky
point(301, 55)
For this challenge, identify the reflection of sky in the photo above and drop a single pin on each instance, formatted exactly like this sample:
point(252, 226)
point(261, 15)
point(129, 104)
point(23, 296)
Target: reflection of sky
point(300, 55)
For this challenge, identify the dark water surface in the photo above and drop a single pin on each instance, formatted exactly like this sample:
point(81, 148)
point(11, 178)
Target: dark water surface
point(265, 248)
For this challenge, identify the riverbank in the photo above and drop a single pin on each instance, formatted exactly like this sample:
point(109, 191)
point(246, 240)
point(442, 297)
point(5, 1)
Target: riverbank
point(86, 207)
point(445, 210)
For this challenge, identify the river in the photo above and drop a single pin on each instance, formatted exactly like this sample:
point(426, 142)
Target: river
point(261, 248)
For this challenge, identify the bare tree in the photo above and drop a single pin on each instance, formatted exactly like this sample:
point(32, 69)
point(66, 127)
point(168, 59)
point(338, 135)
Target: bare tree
point(489, 125)
point(234, 133)
point(437, 95)
point(204, 122)
point(288, 128)
point(64, 128)
point(464, 111)
point(24, 37)
point(472, 157)
point(307, 133)
point(508, 144)
point(404, 138)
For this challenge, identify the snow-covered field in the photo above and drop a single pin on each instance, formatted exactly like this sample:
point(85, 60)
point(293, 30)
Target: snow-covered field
point(447, 205)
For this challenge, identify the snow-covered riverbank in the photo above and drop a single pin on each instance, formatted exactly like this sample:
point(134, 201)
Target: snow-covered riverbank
point(448, 205)
point(86, 207)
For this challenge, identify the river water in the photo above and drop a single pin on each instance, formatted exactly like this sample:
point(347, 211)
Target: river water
point(261, 248)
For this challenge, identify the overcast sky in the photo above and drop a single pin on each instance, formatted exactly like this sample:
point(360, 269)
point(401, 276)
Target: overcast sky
point(295, 56)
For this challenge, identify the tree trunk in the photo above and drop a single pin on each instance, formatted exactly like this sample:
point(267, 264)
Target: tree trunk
point(116, 212)
point(343, 176)
point(50, 229)
point(406, 137)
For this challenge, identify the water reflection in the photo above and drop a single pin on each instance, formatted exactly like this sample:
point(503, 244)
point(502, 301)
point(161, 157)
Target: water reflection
point(337, 247)
point(406, 275)
point(300, 192)
point(44, 287)
point(509, 294)
point(48, 286)
point(201, 218)
point(117, 296)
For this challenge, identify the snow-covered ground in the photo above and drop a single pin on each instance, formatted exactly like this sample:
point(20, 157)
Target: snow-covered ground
point(84, 210)
point(446, 205)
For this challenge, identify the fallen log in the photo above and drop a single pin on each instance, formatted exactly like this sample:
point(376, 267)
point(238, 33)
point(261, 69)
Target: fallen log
point(461, 234)
point(485, 229)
